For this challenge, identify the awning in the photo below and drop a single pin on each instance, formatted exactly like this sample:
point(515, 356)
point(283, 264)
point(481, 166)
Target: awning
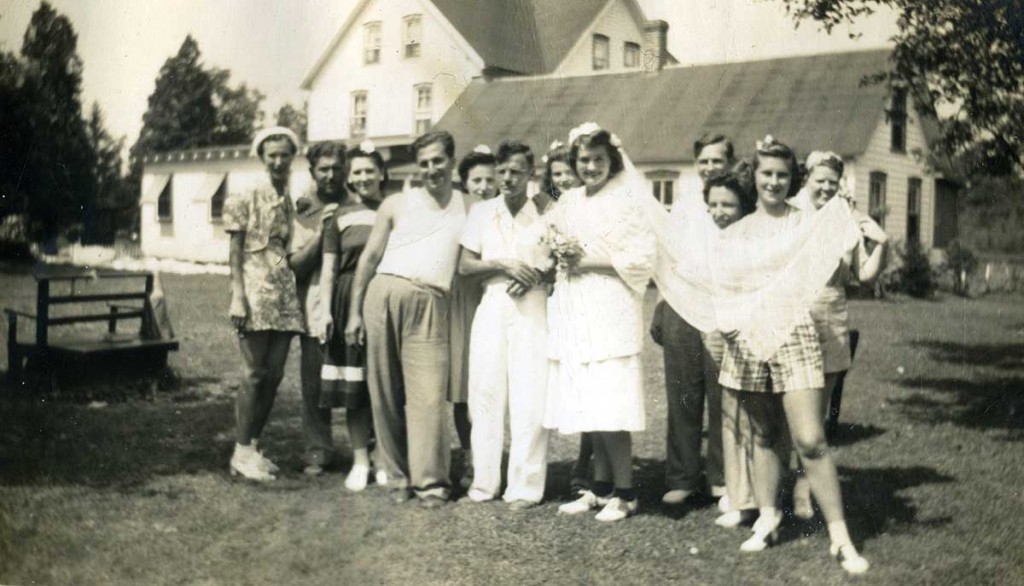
point(155, 188)
point(211, 184)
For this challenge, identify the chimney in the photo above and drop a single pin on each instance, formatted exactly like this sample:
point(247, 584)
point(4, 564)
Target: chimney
point(655, 44)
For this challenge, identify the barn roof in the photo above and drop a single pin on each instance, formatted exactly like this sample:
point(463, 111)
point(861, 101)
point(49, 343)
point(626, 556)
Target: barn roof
point(810, 102)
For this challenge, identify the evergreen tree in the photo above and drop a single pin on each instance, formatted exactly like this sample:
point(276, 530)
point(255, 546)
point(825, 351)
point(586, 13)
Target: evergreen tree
point(291, 117)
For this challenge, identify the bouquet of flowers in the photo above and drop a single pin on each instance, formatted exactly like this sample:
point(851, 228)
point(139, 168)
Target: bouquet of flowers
point(563, 252)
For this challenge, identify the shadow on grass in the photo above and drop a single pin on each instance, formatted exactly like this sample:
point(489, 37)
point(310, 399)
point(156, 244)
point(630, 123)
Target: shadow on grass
point(1008, 356)
point(848, 434)
point(994, 403)
point(874, 505)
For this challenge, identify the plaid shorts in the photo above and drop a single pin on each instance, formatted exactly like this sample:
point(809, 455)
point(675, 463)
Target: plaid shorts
point(797, 364)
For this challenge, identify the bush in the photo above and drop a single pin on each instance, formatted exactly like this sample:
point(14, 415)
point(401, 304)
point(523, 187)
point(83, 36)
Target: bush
point(14, 241)
point(961, 262)
point(915, 272)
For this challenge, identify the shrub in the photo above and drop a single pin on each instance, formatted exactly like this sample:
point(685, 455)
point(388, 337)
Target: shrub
point(915, 271)
point(961, 262)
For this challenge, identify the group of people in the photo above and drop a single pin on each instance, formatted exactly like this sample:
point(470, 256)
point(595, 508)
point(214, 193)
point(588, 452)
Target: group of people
point(507, 300)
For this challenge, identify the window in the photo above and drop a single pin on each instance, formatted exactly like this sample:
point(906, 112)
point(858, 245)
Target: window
point(898, 120)
point(357, 121)
point(371, 43)
point(876, 197)
point(913, 209)
point(412, 34)
point(600, 52)
point(663, 186)
point(423, 113)
point(165, 203)
point(217, 201)
point(631, 55)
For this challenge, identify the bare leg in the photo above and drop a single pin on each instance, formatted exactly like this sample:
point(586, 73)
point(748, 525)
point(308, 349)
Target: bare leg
point(278, 345)
point(804, 415)
point(802, 489)
point(764, 414)
point(253, 346)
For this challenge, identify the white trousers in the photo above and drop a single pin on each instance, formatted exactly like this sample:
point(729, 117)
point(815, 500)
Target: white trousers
point(508, 367)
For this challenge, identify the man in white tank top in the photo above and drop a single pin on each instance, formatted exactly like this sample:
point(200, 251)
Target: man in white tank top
point(403, 275)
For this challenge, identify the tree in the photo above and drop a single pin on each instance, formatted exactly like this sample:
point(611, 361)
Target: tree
point(192, 106)
point(963, 61)
point(48, 167)
point(291, 117)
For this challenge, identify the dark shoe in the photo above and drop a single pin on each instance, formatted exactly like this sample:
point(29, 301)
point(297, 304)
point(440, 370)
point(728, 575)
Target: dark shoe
point(432, 502)
point(467, 475)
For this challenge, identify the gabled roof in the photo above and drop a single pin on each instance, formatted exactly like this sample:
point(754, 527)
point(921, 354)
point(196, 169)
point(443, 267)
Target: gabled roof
point(517, 36)
point(812, 102)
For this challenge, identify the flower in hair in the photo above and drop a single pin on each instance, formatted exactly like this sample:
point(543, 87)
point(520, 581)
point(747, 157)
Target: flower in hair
point(614, 140)
point(768, 141)
point(367, 146)
point(482, 149)
point(556, 144)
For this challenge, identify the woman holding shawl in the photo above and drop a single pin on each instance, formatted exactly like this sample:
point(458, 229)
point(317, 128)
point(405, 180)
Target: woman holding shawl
point(786, 386)
point(825, 171)
point(595, 316)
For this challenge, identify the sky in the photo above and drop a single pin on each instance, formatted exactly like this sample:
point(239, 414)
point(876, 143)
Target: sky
point(271, 44)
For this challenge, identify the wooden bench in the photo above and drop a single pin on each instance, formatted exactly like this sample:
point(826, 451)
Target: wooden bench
point(80, 357)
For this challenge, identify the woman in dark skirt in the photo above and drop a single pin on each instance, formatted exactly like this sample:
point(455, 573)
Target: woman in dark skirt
point(343, 378)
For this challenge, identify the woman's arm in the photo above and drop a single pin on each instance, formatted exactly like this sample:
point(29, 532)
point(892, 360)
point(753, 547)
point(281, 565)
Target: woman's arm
point(869, 266)
point(367, 267)
point(328, 274)
point(239, 309)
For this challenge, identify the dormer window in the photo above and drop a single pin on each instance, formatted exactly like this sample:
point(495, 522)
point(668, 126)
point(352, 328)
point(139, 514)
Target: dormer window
point(371, 43)
point(412, 34)
point(898, 120)
point(600, 52)
point(631, 55)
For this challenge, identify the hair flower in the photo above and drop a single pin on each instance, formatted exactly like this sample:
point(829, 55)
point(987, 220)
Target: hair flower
point(614, 140)
point(482, 149)
point(556, 144)
point(768, 141)
point(367, 146)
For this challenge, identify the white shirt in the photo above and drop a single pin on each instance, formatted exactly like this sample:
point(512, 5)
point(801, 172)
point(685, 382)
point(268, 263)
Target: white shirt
point(494, 233)
point(424, 243)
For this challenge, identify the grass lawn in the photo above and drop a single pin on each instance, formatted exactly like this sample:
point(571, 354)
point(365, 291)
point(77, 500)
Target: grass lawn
point(135, 490)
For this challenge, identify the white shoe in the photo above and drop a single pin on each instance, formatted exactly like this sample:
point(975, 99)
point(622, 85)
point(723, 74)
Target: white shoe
point(849, 559)
point(724, 505)
point(676, 497)
point(381, 478)
point(733, 519)
point(246, 461)
point(357, 478)
point(617, 510)
point(479, 496)
point(766, 534)
point(588, 501)
point(270, 466)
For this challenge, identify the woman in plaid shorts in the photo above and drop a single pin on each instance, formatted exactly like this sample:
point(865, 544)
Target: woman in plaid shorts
point(787, 389)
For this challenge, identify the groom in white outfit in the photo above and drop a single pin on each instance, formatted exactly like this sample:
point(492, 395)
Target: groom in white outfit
point(508, 361)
